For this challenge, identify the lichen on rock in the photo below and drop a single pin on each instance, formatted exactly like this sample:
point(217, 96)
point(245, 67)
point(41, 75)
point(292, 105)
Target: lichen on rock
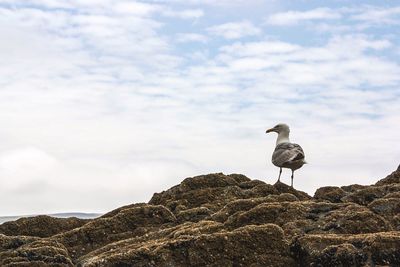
point(222, 220)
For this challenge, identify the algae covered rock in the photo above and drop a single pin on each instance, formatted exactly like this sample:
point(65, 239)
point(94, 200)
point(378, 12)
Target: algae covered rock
point(348, 250)
point(251, 245)
point(393, 178)
point(214, 191)
point(368, 194)
point(284, 188)
point(194, 215)
point(126, 223)
point(330, 193)
point(222, 220)
point(353, 219)
point(275, 212)
point(28, 251)
point(41, 226)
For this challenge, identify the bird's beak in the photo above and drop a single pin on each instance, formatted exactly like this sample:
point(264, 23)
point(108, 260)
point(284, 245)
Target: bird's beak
point(270, 130)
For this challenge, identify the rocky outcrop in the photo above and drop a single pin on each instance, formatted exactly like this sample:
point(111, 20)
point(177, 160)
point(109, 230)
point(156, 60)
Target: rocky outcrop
point(251, 245)
point(222, 220)
point(40, 226)
point(330, 193)
point(41, 252)
point(381, 249)
point(393, 178)
point(127, 223)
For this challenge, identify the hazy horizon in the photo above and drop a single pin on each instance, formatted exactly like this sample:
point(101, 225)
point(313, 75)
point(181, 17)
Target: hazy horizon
point(80, 215)
point(104, 103)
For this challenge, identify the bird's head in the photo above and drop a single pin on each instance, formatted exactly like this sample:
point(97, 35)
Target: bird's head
point(279, 128)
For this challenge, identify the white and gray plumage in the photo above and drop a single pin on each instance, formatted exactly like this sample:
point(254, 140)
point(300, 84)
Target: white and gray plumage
point(286, 154)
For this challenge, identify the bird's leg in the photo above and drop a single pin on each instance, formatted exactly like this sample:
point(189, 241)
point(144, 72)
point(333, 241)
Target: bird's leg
point(292, 178)
point(280, 172)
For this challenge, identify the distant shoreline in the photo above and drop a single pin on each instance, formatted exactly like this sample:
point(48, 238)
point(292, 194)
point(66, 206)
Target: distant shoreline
point(81, 215)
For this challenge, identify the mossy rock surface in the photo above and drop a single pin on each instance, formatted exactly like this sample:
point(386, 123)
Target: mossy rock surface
point(222, 220)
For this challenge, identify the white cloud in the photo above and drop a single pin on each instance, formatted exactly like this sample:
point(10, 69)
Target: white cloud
point(341, 19)
point(191, 37)
point(136, 8)
point(221, 3)
point(105, 107)
point(260, 48)
point(343, 56)
point(184, 14)
point(235, 30)
point(294, 17)
point(16, 164)
point(389, 15)
point(38, 3)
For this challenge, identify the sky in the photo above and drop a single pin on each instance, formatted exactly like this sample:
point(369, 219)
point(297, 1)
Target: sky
point(104, 102)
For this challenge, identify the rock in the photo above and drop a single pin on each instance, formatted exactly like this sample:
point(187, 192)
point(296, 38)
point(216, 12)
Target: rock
point(194, 215)
point(247, 204)
point(330, 193)
point(182, 231)
point(116, 211)
point(41, 226)
point(367, 195)
point(126, 223)
point(222, 220)
point(214, 191)
point(353, 187)
point(251, 184)
point(31, 252)
point(284, 188)
point(392, 195)
point(347, 250)
point(14, 242)
point(393, 178)
point(240, 178)
point(389, 208)
point(342, 255)
point(352, 219)
point(236, 206)
point(386, 206)
point(277, 213)
point(283, 197)
point(261, 190)
point(251, 245)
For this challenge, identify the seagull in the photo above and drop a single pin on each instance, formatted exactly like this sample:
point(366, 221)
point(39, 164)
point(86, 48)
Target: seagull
point(286, 155)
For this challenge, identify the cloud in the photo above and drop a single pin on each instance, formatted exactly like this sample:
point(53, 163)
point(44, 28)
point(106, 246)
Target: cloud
point(339, 19)
point(16, 164)
point(373, 15)
point(316, 66)
point(294, 17)
point(221, 3)
point(235, 30)
point(184, 14)
point(260, 48)
point(112, 101)
point(191, 37)
point(136, 8)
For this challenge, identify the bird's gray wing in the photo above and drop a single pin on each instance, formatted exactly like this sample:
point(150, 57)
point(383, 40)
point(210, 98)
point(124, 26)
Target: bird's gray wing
point(287, 152)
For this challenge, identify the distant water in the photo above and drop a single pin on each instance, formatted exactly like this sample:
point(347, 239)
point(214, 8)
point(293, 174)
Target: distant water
point(80, 215)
